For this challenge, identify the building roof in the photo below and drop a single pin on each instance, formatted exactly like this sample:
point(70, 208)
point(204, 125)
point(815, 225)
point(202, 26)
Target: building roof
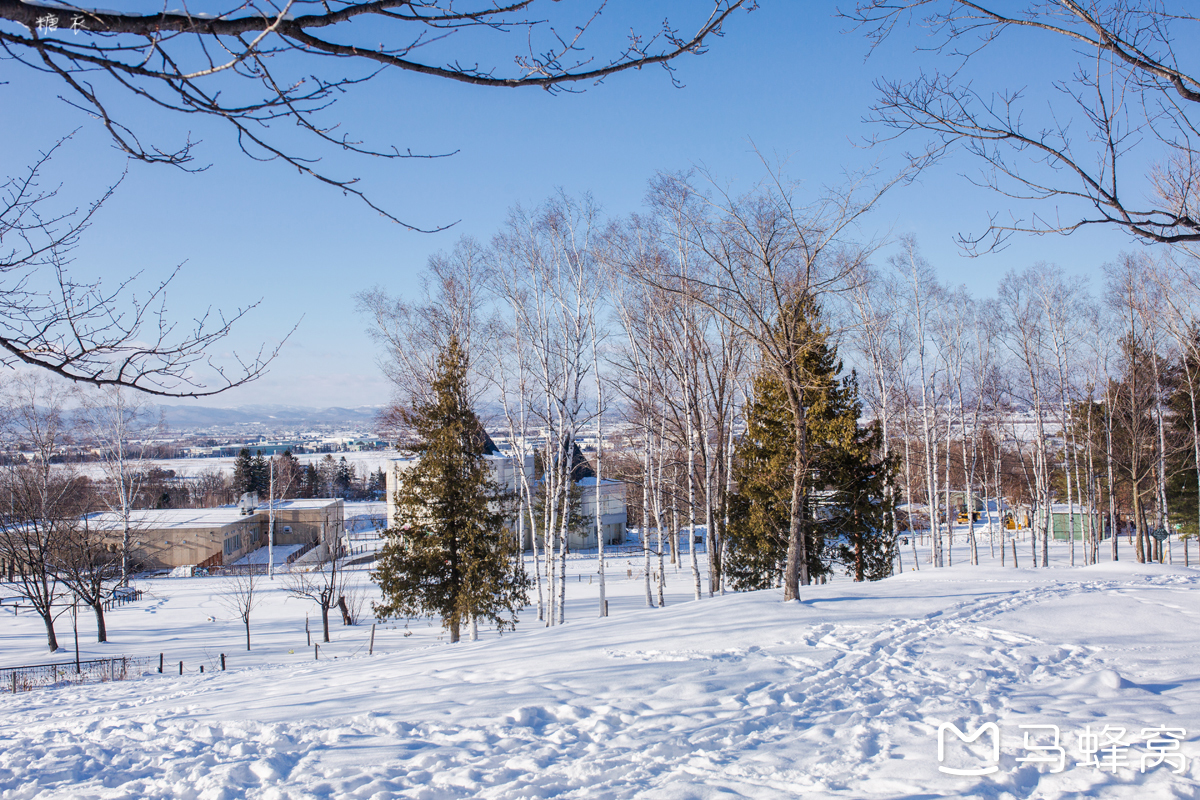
point(197, 518)
point(181, 518)
point(294, 505)
point(591, 481)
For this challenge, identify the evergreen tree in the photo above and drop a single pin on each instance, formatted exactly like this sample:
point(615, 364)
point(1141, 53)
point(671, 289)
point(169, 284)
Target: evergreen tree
point(377, 481)
point(312, 481)
point(262, 475)
point(854, 502)
point(328, 472)
point(844, 507)
point(345, 477)
point(243, 473)
point(448, 554)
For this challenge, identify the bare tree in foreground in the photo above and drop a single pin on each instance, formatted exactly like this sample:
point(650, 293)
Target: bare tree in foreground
point(103, 333)
point(323, 584)
point(1126, 117)
point(87, 566)
point(249, 65)
point(42, 497)
point(119, 422)
point(241, 596)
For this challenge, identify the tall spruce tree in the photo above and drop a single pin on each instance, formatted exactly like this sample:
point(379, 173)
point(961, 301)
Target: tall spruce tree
point(844, 499)
point(853, 501)
point(447, 553)
point(243, 473)
point(262, 474)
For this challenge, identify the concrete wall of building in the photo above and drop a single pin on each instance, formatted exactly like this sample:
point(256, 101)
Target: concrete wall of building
point(325, 524)
point(176, 545)
point(167, 548)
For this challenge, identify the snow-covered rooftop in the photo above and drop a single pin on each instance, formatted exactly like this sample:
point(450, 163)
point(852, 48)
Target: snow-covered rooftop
point(160, 518)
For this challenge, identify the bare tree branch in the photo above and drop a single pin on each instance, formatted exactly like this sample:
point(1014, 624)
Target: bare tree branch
point(252, 63)
point(96, 332)
point(1135, 90)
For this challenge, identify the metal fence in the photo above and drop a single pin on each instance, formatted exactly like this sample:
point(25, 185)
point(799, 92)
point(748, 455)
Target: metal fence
point(24, 679)
point(122, 595)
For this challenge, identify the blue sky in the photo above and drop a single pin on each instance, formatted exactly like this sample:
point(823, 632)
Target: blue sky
point(784, 77)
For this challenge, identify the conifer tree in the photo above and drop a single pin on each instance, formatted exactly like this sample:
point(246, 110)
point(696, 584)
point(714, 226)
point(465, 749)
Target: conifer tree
point(312, 481)
point(243, 473)
point(447, 553)
point(346, 477)
point(262, 475)
point(844, 502)
point(853, 477)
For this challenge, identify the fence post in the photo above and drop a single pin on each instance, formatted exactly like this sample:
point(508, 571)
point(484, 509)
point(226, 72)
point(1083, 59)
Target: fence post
point(160, 663)
point(222, 662)
point(201, 669)
point(371, 649)
point(180, 667)
point(316, 652)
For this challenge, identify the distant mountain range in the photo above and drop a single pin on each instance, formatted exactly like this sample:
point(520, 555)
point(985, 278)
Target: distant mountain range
point(183, 418)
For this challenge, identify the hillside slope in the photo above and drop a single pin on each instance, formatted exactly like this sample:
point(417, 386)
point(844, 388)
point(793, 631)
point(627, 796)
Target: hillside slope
point(839, 696)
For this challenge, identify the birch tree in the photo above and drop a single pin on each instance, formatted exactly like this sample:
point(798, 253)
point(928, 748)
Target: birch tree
point(1026, 339)
point(769, 254)
point(121, 423)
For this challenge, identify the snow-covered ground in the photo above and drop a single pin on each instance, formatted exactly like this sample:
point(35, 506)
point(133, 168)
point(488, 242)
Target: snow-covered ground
point(839, 696)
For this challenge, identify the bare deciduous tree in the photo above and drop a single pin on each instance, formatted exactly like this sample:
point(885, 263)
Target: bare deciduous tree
point(96, 332)
point(241, 594)
point(86, 563)
point(323, 584)
point(251, 65)
point(42, 497)
point(1130, 101)
point(119, 422)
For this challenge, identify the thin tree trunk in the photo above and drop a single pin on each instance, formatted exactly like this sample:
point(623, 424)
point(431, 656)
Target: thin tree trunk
point(691, 484)
point(796, 568)
point(603, 611)
point(912, 533)
point(709, 534)
point(646, 468)
point(101, 628)
point(51, 638)
point(1108, 457)
point(949, 511)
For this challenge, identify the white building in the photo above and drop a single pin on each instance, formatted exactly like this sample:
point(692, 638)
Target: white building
point(506, 472)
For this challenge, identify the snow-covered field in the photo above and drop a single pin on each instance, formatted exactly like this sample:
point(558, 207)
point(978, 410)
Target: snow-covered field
point(839, 696)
